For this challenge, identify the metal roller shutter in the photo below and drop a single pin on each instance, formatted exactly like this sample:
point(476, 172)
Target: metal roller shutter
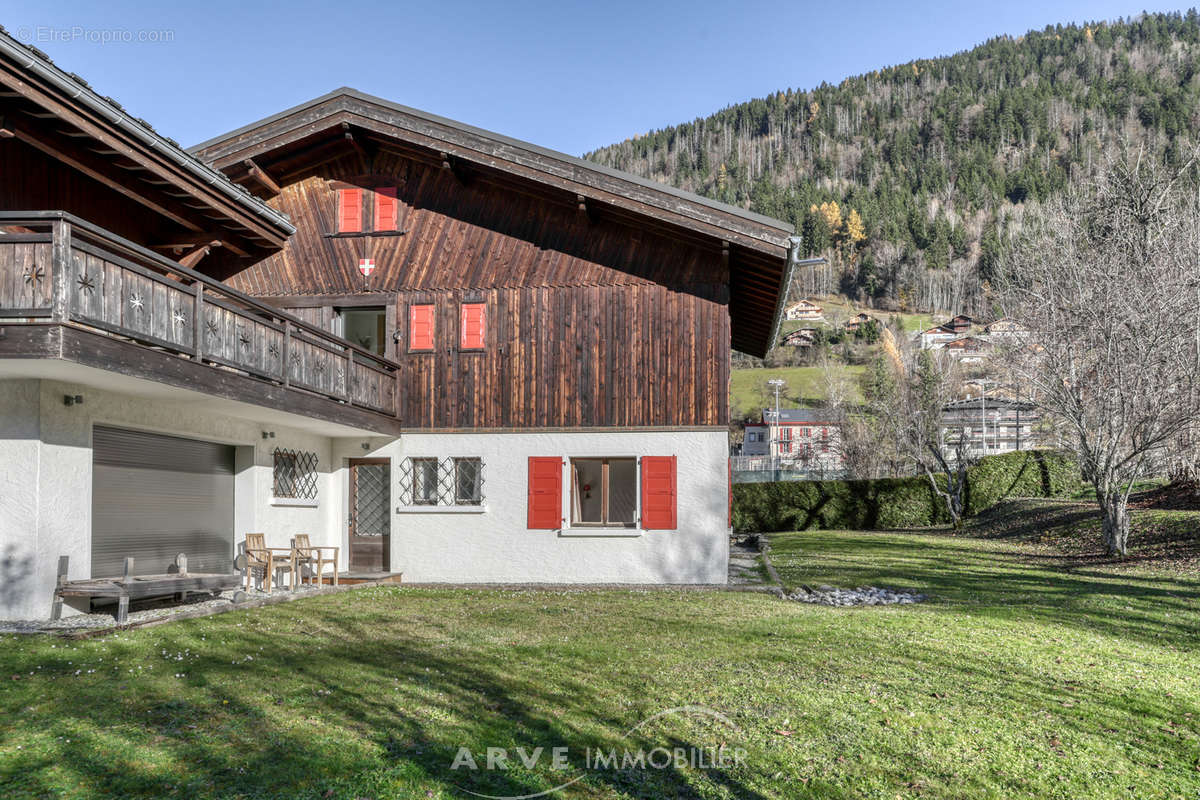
point(155, 496)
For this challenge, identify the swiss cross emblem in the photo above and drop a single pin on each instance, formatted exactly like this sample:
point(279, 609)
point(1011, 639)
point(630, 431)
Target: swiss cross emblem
point(366, 266)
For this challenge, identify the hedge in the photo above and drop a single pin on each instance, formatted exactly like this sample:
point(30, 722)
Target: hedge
point(897, 502)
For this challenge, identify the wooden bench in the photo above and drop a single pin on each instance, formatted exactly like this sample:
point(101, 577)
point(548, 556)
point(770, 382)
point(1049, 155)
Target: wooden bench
point(135, 587)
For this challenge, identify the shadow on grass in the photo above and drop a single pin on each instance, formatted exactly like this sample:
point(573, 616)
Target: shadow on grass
point(1002, 582)
point(400, 708)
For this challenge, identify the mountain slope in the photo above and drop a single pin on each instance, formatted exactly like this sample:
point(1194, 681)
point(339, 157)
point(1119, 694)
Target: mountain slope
point(910, 176)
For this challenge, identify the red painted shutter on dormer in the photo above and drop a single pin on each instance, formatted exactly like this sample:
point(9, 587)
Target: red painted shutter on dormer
point(545, 493)
point(420, 327)
point(658, 493)
point(386, 209)
point(349, 210)
point(472, 326)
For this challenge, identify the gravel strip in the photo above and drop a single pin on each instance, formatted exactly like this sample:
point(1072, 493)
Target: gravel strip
point(862, 596)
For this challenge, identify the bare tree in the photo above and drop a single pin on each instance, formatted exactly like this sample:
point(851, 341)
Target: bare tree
point(1107, 283)
point(932, 448)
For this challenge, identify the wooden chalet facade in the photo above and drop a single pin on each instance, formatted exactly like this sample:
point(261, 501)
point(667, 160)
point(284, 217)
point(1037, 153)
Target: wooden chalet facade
point(499, 363)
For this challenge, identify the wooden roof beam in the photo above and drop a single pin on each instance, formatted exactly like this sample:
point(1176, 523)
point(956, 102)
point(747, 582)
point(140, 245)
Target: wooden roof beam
point(454, 167)
point(366, 152)
point(95, 168)
point(260, 175)
point(179, 244)
point(193, 258)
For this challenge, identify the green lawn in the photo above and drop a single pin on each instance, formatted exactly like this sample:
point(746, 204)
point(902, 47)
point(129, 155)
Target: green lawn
point(803, 383)
point(1017, 679)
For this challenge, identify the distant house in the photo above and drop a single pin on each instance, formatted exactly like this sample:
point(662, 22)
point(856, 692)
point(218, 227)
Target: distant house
point(960, 324)
point(937, 336)
point(1005, 327)
point(859, 320)
point(968, 349)
point(809, 438)
point(803, 310)
point(990, 425)
point(804, 337)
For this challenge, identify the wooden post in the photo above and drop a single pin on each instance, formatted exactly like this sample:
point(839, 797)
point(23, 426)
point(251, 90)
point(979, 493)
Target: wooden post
point(285, 355)
point(56, 609)
point(60, 298)
point(123, 600)
point(198, 322)
point(349, 371)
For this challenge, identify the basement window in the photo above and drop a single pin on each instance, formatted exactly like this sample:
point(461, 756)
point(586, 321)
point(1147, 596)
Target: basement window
point(295, 475)
point(604, 492)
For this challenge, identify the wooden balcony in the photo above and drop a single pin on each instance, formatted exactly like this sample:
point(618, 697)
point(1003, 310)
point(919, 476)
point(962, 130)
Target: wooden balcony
point(70, 289)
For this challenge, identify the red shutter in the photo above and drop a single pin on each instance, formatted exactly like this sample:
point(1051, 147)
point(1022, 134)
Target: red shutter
point(349, 210)
point(545, 493)
point(658, 493)
point(386, 209)
point(420, 327)
point(472, 326)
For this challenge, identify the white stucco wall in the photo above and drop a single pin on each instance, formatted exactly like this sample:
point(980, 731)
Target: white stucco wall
point(46, 480)
point(495, 546)
point(46, 497)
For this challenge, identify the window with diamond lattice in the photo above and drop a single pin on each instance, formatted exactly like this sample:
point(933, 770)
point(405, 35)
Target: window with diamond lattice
point(295, 474)
point(428, 481)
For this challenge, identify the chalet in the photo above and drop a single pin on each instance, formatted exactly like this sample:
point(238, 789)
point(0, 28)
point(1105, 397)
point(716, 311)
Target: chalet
point(935, 337)
point(859, 320)
point(803, 337)
point(1004, 328)
point(811, 438)
point(803, 310)
point(967, 349)
point(446, 353)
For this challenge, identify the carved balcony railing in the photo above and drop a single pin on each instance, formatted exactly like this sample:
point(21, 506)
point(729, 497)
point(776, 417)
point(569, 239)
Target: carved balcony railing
point(57, 268)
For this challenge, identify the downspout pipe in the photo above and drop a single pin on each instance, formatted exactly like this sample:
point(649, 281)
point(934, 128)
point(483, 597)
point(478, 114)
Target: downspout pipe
point(29, 60)
point(789, 271)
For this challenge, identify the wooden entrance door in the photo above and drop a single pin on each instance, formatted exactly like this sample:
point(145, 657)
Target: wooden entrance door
point(370, 514)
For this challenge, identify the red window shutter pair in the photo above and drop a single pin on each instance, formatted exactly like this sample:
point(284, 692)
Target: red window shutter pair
point(350, 210)
point(420, 327)
point(659, 499)
point(472, 326)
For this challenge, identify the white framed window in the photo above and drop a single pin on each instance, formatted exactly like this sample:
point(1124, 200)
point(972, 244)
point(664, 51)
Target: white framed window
point(604, 492)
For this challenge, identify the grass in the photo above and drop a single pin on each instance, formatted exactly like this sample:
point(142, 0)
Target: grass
point(803, 383)
point(1018, 679)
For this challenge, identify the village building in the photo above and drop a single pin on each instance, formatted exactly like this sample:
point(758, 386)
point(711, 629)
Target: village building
point(990, 425)
point(450, 355)
point(804, 310)
point(802, 337)
point(809, 439)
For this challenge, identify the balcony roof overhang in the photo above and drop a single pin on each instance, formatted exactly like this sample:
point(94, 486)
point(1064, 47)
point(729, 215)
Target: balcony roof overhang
point(72, 354)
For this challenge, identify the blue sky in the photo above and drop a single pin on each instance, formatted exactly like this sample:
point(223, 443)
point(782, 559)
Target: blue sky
point(568, 75)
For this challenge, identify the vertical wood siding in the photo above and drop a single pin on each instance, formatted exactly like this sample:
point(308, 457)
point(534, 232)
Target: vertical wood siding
point(590, 323)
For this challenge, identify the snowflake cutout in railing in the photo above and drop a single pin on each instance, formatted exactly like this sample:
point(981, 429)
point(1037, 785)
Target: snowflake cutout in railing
point(34, 275)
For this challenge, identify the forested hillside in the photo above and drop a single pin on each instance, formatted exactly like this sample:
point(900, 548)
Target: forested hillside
point(909, 177)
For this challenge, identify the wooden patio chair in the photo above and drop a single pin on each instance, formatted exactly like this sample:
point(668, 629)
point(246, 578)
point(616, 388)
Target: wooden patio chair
point(265, 559)
point(314, 558)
